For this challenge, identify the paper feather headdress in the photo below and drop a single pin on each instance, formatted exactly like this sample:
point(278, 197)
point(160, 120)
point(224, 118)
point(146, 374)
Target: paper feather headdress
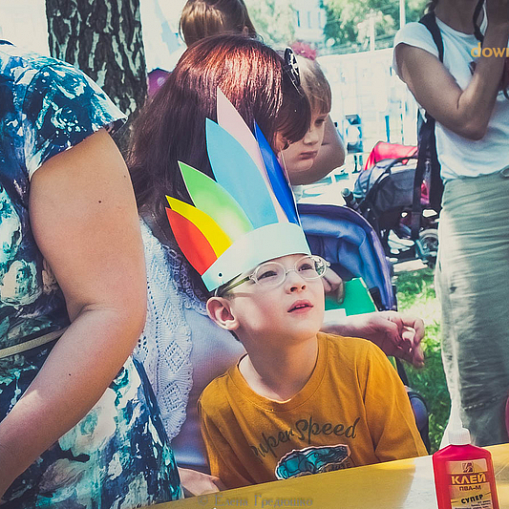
point(243, 218)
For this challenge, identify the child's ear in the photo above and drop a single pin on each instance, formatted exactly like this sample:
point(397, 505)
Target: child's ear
point(220, 311)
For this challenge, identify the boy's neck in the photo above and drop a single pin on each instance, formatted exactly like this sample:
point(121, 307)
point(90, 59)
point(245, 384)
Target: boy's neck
point(279, 374)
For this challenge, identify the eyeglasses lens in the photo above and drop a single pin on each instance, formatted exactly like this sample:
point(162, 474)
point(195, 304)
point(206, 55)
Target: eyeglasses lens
point(273, 274)
point(270, 274)
point(310, 267)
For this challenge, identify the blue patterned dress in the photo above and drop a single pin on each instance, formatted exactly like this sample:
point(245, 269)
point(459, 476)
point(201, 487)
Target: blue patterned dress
point(117, 456)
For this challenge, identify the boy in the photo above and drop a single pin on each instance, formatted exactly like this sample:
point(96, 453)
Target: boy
point(299, 402)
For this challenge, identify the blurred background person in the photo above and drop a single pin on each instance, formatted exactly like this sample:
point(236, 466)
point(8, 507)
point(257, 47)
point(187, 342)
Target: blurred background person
point(467, 99)
point(203, 18)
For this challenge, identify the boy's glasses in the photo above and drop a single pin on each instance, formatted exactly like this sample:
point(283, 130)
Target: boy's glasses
point(272, 274)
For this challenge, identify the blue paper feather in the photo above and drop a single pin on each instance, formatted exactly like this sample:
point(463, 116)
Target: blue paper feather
point(278, 181)
point(236, 172)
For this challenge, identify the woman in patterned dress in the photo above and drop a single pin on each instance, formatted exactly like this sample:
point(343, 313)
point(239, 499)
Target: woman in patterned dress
point(78, 427)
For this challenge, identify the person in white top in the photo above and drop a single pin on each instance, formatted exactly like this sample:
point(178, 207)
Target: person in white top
point(466, 97)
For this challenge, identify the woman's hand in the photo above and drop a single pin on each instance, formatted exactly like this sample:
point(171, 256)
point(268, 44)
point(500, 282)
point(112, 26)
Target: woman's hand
point(465, 112)
point(195, 483)
point(394, 333)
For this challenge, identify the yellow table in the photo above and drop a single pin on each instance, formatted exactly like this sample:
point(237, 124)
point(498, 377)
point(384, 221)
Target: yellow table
point(394, 485)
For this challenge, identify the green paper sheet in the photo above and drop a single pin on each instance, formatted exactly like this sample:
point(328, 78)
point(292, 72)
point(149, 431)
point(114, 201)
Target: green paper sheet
point(357, 299)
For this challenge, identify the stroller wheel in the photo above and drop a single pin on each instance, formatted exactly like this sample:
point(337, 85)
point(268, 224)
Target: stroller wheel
point(428, 246)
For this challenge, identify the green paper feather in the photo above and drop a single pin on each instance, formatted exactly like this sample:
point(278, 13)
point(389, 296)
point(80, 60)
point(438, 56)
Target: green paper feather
point(215, 201)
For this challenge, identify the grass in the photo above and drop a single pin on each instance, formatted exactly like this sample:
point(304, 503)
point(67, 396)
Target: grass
point(416, 295)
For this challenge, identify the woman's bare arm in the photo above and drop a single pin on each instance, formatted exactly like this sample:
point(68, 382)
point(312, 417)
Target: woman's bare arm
point(84, 220)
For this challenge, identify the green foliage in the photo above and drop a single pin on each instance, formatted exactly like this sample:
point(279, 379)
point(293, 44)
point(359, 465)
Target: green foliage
point(348, 20)
point(274, 20)
point(416, 295)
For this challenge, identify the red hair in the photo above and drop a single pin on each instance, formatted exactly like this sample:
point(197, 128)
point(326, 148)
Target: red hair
point(171, 127)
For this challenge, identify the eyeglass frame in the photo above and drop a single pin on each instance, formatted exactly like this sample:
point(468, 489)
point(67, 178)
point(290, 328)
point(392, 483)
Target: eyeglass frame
point(222, 291)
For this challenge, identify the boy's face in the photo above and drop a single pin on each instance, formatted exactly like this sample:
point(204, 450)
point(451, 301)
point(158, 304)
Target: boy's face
point(292, 310)
point(300, 156)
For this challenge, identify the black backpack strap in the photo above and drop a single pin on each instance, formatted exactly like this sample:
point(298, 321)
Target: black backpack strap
point(477, 30)
point(427, 143)
point(430, 22)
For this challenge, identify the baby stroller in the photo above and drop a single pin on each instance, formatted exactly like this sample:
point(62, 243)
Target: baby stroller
point(349, 243)
point(383, 194)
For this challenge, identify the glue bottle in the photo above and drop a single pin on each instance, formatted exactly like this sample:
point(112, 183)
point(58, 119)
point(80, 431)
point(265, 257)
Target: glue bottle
point(464, 475)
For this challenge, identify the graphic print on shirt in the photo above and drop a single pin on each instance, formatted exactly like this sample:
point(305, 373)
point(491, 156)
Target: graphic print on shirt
point(313, 460)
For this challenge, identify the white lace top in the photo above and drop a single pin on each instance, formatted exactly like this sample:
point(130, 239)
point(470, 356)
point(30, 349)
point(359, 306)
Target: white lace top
point(181, 349)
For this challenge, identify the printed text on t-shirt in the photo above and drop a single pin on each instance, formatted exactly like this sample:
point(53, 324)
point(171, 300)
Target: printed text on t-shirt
point(303, 430)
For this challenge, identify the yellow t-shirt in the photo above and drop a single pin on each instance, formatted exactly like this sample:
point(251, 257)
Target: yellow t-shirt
point(353, 411)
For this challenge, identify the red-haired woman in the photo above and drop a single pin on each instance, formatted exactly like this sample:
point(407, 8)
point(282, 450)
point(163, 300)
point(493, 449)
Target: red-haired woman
point(181, 349)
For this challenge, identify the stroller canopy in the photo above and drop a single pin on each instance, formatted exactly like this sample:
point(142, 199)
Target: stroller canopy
point(383, 150)
point(346, 240)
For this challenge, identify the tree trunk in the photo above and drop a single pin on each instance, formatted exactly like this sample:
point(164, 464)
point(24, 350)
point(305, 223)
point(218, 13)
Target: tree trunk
point(103, 38)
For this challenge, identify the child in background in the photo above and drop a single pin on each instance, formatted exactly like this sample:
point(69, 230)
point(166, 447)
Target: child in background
point(321, 150)
point(311, 159)
point(203, 18)
point(300, 401)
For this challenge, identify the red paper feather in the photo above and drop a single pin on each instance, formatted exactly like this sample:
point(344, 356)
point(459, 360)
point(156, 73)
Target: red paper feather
point(195, 247)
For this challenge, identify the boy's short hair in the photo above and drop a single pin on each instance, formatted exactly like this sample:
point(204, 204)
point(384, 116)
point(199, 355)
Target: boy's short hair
point(203, 18)
point(315, 85)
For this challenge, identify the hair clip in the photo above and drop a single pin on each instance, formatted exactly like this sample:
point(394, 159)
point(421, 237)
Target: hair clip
point(291, 68)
